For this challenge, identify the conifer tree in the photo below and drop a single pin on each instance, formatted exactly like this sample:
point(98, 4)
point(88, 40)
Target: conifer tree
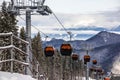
point(8, 21)
point(37, 51)
point(22, 46)
point(7, 24)
point(22, 36)
point(57, 65)
point(22, 33)
point(37, 47)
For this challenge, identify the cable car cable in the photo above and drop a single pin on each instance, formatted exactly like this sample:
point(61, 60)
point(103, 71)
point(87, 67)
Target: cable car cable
point(68, 32)
point(35, 28)
point(60, 22)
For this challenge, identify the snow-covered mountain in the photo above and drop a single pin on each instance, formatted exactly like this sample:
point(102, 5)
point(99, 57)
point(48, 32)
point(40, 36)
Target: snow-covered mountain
point(80, 32)
point(105, 47)
point(116, 29)
point(106, 55)
point(95, 28)
point(104, 38)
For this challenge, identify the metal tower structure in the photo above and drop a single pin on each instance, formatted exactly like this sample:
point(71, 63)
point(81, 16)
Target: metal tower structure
point(87, 47)
point(28, 8)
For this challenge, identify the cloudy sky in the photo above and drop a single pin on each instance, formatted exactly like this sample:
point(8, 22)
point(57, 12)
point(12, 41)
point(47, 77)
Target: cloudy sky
point(77, 13)
point(83, 6)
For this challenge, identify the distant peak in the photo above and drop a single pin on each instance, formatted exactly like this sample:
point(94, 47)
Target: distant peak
point(103, 32)
point(107, 32)
point(104, 35)
point(54, 39)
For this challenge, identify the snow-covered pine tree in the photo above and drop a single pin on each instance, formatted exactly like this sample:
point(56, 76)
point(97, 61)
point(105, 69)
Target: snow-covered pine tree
point(7, 24)
point(22, 46)
point(8, 21)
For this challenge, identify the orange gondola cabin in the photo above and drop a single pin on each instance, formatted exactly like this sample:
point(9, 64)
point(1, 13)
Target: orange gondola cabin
point(49, 51)
point(99, 70)
point(66, 49)
point(94, 62)
point(86, 58)
point(93, 69)
point(75, 57)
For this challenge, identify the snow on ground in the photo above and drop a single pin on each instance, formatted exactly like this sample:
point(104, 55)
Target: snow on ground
point(17, 76)
point(14, 76)
point(83, 78)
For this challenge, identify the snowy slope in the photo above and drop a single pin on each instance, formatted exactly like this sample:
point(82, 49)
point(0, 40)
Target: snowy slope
point(14, 76)
point(116, 66)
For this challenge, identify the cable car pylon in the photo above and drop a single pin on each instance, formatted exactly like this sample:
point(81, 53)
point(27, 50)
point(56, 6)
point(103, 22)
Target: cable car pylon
point(16, 7)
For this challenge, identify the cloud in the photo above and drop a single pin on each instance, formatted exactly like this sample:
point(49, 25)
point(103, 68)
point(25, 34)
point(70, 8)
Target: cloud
point(109, 19)
point(49, 24)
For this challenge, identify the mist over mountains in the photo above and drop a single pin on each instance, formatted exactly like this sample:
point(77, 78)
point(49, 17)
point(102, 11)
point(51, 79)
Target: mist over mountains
point(81, 32)
point(104, 46)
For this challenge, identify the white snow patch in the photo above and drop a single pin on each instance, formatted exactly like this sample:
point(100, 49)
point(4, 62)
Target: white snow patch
point(17, 76)
point(116, 66)
point(14, 76)
point(83, 78)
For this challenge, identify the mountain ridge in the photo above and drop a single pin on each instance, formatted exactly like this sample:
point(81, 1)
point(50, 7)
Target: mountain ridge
point(105, 47)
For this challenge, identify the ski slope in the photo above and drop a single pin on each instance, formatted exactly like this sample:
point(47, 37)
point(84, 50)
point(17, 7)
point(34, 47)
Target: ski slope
point(14, 76)
point(17, 76)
